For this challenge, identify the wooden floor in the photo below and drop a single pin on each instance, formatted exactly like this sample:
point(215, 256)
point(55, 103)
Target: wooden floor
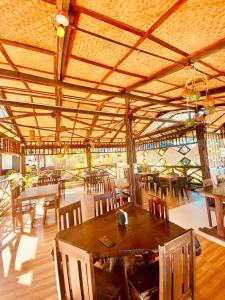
point(27, 269)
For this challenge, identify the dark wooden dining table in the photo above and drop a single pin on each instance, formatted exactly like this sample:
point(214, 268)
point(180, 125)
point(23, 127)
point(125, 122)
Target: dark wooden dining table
point(143, 233)
point(218, 193)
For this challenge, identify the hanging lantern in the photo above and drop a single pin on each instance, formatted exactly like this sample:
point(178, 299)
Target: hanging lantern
point(189, 123)
point(209, 101)
point(194, 96)
point(210, 110)
point(39, 142)
point(198, 117)
point(58, 143)
point(31, 134)
point(186, 93)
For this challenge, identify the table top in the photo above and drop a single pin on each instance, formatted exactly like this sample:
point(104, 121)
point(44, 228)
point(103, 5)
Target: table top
point(216, 191)
point(38, 192)
point(63, 178)
point(144, 232)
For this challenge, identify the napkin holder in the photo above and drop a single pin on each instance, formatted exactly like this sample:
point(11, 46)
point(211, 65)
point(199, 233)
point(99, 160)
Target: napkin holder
point(122, 217)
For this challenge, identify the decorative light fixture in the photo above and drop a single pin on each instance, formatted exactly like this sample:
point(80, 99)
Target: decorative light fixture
point(209, 101)
point(62, 21)
point(62, 18)
point(60, 31)
point(31, 134)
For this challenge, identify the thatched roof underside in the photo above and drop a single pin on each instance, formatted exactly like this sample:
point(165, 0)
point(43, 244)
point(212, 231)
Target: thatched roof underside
point(138, 47)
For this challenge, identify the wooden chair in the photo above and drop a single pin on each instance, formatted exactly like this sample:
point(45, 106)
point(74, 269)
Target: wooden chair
point(158, 207)
point(81, 280)
point(177, 268)
point(210, 201)
point(52, 203)
point(93, 183)
point(19, 209)
point(69, 216)
point(176, 278)
point(120, 197)
point(43, 180)
point(103, 203)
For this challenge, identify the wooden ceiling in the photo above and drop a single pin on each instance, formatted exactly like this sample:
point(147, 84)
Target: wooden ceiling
point(112, 50)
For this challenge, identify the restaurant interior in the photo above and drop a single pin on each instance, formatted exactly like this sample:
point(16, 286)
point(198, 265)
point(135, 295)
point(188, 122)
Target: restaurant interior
point(112, 149)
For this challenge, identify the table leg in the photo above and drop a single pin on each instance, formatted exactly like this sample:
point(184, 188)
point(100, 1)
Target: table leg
point(219, 217)
point(170, 188)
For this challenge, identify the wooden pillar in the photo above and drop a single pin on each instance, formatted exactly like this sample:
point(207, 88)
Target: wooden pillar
point(38, 164)
point(0, 164)
point(202, 147)
point(89, 158)
point(23, 162)
point(131, 154)
point(44, 158)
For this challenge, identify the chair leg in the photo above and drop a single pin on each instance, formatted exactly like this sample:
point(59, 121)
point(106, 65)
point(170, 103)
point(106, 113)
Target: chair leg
point(209, 216)
point(45, 214)
point(56, 215)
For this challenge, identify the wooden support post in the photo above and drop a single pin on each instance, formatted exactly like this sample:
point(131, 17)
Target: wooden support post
point(44, 159)
point(89, 158)
point(202, 147)
point(0, 164)
point(23, 165)
point(131, 154)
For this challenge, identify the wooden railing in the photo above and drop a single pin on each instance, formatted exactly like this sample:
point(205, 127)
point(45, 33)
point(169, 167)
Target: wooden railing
point(5, 198)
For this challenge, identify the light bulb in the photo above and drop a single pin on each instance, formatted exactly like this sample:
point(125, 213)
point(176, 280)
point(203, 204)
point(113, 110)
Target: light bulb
point(60, 31)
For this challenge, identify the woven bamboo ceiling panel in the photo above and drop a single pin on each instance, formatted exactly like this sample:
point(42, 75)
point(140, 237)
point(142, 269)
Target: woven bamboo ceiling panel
point(75, 87)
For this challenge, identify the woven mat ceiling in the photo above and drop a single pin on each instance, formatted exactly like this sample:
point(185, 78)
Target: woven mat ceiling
point(121, 46)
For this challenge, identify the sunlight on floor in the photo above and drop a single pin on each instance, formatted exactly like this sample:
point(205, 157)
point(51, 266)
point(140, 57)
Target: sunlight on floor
point(26, 278)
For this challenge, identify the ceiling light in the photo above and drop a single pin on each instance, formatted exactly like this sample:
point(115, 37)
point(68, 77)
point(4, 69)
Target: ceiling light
point(62, 18)
point(60, 31)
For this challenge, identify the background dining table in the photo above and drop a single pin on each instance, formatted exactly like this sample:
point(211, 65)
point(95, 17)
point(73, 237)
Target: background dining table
point(217, 192)
point(38, 192)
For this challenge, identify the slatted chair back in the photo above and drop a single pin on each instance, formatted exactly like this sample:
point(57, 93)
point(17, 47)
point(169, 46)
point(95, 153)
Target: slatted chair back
point(43, 180)
point(106, 183)
point(158, 207)
point(177, 268)
point(69, 216)
point(220, 178)
point(55, 179)
point(103, 203)
point(74, 272)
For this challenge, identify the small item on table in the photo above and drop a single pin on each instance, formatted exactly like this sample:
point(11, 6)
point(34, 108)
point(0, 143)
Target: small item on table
point(106, 241)
point(122, 217)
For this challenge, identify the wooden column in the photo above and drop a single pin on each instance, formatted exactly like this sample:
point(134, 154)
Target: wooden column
point(202, 147)
point(131, 154)
point(89, 158)
point(0, 164)
point(23, 163)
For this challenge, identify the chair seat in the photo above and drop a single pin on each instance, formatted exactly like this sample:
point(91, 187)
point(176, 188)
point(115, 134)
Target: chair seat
point(108, 285)
point(145, 282)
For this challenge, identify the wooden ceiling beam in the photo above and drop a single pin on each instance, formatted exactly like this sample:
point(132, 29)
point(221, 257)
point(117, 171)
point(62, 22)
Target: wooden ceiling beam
point(45, 81)
point(202, 53)
point(128, 28)
point(104, 66)
point(26, 115)
point(27, 47)
point(11, 103)
point(10, 114)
